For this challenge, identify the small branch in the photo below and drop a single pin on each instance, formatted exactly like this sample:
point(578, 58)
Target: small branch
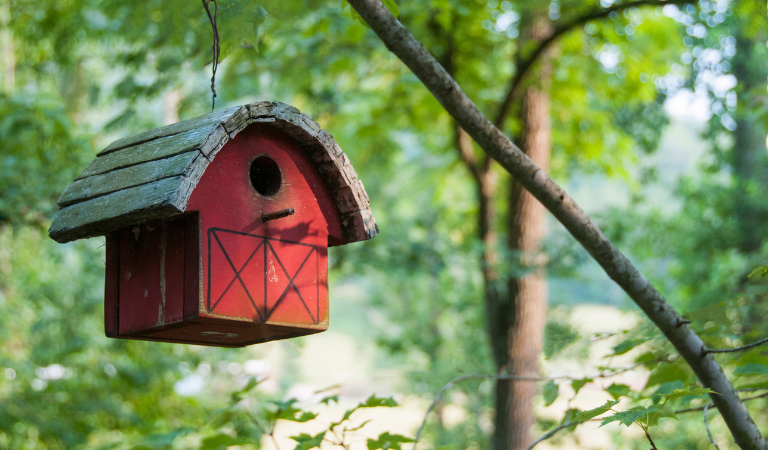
point(456, 380)
point(650, 440)
point(551, 433)
point(527, 63)
point(706, 425)
point(467, 155)
point(737, 349)
point(710, 405)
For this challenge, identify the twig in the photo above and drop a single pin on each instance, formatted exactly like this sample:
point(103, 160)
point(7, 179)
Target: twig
point(650, 440)
point(527, 63)
point(736, 349)
point(706, 425)
point(456, 380)
point(710, 405)
point(551, 433)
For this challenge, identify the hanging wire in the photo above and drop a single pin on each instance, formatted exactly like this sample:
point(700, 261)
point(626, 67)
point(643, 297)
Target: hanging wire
point(216, 48)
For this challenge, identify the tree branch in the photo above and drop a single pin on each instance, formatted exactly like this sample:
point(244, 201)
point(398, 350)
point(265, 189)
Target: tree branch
point(706, 425)
point(737, 349)
point(464, 148)
point(527, 63)
point(496, 144)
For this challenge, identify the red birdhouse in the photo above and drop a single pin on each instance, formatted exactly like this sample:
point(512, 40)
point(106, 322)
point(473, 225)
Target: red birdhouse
point(218, 227)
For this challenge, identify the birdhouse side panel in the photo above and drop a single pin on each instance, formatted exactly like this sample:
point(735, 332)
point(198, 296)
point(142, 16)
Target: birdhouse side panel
point(256, 270)
point(151, 276)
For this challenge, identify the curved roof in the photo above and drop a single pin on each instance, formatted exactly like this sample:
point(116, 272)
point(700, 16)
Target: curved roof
point(151, 175)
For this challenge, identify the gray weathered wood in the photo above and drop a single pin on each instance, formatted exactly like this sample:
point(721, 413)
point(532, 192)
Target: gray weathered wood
point(359, 225)
point(237, 121)
point(214, 118)
point(148, 151)
point(106, 183)
point(351, 198)
point(215, 140)
point(118, 210)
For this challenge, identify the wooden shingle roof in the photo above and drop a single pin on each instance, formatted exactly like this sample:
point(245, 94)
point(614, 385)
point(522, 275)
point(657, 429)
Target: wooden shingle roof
point(151, 175)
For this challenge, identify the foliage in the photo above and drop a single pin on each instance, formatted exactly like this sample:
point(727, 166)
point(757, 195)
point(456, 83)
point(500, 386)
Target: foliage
point(87, 72)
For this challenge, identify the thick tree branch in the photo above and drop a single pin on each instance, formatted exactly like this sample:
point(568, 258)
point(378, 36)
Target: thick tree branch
point(496, 144)
point(737, 349)
point(527, 63)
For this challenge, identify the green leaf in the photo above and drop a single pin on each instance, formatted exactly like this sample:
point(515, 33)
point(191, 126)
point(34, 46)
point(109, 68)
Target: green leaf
point(393, 7)
point(690, 390)
point(359, 426)
point(349, 412)
point(628, 345)
point(371, 402)
point(665, 373)
point(762, 271)
point(578, 384)
point(550, 391)
point(221, 441)
point(329, 399)
point(592, 413)
point(570, 416)
point(286, 411)
point(238, 395)
point(752, 369)
point(617, 390)
point(631, 415)
point(374, 402)
point(665, 411)
point(388, 441)
point(306, 442)
point(665, 389)
point(296, 415)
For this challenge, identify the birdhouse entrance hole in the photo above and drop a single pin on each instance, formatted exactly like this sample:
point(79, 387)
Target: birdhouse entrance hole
point(265, 176)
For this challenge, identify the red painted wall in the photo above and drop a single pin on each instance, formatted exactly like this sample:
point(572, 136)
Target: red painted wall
point(274, 271)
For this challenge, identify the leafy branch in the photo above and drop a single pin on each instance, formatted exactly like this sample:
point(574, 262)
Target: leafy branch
point(525, 64)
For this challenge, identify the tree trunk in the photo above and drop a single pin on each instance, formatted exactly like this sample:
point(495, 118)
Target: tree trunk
point(749, 149)
point(527, 294)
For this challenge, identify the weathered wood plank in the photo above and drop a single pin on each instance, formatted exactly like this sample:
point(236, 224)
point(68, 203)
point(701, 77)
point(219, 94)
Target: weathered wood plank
point(120, 209)
point(359, 225)
point(214, 118)
point(215, 140)
point(237, 121)
point(351, 198)
point(260, 109)
point(148, 151)
point(106, 183)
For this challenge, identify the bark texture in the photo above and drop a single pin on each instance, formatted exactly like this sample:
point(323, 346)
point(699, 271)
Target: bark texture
point(527, 294)
point(749, 149)
point(496, 144)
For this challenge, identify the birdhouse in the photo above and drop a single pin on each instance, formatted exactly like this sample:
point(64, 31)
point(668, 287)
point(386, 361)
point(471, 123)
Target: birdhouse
point(217, 228)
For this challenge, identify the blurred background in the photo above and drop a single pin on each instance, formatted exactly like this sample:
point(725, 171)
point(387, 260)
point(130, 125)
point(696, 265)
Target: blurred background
point(652, 115)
